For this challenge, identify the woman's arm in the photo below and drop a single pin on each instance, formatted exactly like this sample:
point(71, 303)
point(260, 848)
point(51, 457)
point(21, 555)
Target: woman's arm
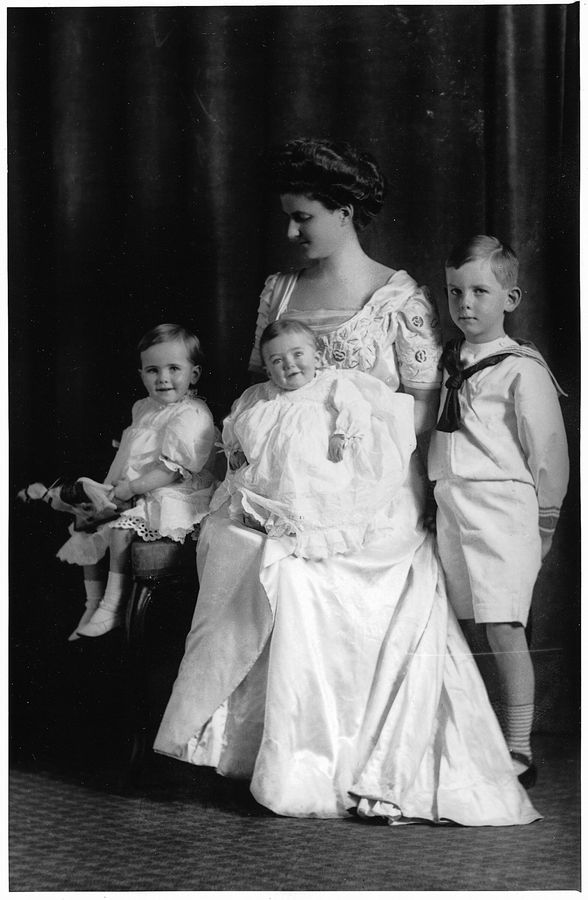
point(426, 408)
point(426, 401)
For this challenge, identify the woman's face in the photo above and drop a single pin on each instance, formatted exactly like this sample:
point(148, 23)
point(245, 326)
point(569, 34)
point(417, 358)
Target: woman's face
point(318, 231)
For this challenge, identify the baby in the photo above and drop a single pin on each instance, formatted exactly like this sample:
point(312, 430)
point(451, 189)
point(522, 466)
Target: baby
point(314, 455)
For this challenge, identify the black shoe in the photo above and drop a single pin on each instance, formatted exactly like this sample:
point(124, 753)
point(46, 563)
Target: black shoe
point(528, 776)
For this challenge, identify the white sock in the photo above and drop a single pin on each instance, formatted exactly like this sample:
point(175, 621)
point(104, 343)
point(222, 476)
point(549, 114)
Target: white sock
point(518, 722)
point(107, 615)
point(116, 589)
point(94, 591)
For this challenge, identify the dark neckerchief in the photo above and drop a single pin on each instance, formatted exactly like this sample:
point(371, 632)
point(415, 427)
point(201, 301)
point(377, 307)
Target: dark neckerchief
point(450, 418)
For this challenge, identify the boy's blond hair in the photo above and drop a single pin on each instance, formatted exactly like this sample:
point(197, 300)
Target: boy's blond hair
point(502, 258)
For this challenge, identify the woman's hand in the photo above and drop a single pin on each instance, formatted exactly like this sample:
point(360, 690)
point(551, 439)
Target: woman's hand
point(379, 369)
point(336, 447)
point(430, 514)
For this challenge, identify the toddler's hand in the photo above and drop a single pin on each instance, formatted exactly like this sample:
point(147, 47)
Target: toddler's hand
point(122, 492)
point(98, 494)
point(336, 447)
point(237, 459)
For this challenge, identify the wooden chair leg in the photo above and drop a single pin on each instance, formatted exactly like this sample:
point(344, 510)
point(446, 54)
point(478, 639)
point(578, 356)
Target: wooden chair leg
point(161, 569)
point(135, 630)
point(136, 614)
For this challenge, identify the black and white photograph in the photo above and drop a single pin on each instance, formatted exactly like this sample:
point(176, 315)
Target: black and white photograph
point(293, 525)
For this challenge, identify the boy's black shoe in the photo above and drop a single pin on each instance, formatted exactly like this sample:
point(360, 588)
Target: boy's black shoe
point(528, 776)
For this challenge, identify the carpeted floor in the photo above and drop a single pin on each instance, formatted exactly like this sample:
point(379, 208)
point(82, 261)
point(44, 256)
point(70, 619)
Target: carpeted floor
point(78, 822)
point(183, 828)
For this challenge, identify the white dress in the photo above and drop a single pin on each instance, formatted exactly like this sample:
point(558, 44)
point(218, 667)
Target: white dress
point(343, 683)
point(399, 322)
point(181, 436)
point(289, 484)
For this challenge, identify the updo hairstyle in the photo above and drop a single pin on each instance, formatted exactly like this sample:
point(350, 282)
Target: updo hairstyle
point(335, 173)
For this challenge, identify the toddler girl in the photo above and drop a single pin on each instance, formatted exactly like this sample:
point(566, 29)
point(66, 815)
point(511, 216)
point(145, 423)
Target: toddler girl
point(160, 481)
point(316, 455)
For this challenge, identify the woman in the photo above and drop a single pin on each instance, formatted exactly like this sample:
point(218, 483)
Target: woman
point(343, 684)
point(366, 315)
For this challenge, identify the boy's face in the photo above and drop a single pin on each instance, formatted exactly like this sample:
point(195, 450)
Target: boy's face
point(478, 302)
point(290, 360)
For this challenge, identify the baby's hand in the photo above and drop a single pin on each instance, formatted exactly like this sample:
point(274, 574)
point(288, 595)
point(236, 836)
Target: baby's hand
point(336, 447)
point(237, 459)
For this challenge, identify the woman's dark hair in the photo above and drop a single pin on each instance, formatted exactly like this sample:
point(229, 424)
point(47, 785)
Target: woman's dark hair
point(335, 173)
point(285, 326)
point(169, 332)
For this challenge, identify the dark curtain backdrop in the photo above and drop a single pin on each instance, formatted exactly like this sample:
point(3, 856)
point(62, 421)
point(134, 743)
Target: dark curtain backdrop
point(134, 198)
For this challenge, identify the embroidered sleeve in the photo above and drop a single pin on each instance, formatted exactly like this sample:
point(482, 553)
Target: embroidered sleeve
point(418, 342)
point(263, 318)
point(188, 440)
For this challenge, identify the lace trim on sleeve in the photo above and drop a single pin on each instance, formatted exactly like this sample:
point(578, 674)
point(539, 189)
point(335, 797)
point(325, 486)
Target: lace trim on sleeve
point(418, 342)
point(176, 467)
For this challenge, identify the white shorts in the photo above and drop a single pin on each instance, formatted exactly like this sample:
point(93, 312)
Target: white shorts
point(490, 548)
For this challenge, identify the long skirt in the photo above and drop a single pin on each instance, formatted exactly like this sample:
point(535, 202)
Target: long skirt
point(339, 686)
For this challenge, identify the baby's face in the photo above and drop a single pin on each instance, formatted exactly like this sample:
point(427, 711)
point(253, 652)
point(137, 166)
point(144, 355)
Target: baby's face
point(478, 302)
point(167, 372)
point(290, 360)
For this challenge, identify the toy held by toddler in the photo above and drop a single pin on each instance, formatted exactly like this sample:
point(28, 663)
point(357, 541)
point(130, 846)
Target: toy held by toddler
point(498, 458)
point(159, 483)
point(314, 455)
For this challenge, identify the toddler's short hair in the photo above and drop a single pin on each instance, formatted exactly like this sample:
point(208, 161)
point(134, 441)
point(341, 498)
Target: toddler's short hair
point(169, 332)
point(503, 260)
point(286, 326)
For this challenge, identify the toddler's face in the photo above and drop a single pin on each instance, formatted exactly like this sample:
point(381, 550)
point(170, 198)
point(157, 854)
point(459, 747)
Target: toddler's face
point(167, 372)
point(477, 301)
point(290, 360)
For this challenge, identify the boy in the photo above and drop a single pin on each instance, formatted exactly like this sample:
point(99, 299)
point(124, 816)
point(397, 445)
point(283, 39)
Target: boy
point(499, 460)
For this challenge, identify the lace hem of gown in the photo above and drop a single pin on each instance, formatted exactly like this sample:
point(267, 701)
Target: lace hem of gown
point(315, 543)
point(173, 514)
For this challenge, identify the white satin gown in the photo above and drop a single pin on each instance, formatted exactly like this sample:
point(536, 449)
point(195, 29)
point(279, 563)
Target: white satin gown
point(341, 685)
